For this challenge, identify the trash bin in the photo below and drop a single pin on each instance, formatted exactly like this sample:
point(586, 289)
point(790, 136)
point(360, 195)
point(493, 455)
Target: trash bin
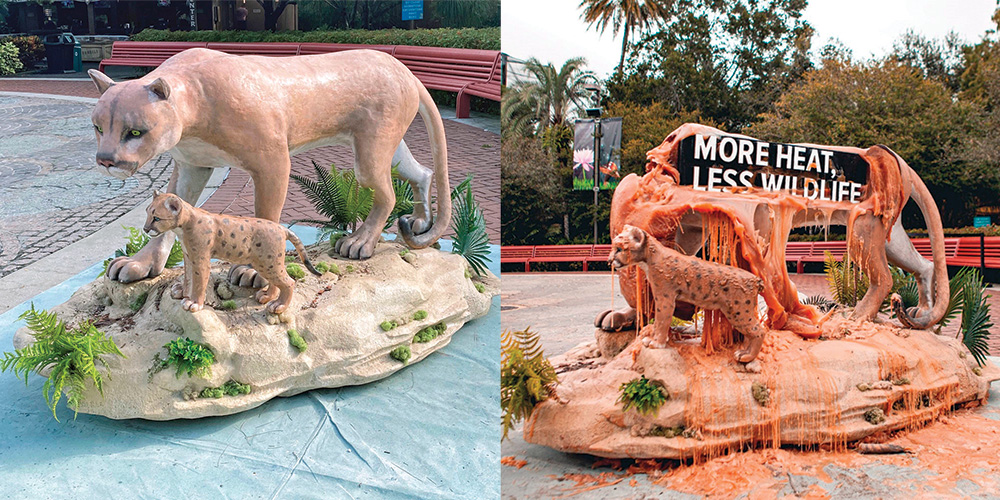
point(63, 53)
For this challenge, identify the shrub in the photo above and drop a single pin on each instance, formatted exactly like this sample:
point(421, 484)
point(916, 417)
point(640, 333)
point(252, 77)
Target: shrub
point(643, 395)
point(189, 357)
point(465, 38)
point(228, 305)
point(230, 388)
point(295, 271)
point(481, 288)
point(322, 267)
point(10, 63)
point(388, 325)
point(526, 376)
point(297, 341)
point(70, 352)
point(30, 50)
point(419, 315)
point(471, 240)
point(401, 354)
point(429, 333)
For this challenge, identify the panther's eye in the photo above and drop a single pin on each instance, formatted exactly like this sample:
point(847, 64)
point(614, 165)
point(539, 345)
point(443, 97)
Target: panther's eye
point(99, 129)
point(156, 219)
point(134, 133)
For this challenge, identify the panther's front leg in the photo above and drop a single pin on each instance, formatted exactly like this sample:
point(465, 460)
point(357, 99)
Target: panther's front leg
point(661, 326)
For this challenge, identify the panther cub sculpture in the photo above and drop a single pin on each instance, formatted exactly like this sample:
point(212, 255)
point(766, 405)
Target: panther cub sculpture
point(240, 240)
point(674, 276)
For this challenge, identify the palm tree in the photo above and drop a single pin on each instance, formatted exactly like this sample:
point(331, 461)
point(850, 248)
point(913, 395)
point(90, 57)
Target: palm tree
point(627, 15)
point(546, 98)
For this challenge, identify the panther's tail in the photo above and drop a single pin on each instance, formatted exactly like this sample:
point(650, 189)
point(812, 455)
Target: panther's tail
point(299, 249)
point(435, 129)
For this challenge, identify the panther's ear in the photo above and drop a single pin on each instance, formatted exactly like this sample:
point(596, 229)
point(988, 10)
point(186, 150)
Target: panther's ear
point(102, 81)
point(174, 205)
point(160, 88)
point(156, 193)
point(637, 237)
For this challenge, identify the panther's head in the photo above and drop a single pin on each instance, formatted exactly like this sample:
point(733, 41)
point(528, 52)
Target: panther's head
point(627, 248)
point(133, 121)
point(163, 214)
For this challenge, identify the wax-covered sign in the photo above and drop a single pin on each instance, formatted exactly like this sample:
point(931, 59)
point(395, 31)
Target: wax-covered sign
point(720, 162)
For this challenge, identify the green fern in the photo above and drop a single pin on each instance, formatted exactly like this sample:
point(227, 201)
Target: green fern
point(189, 357)
point(471, 240)
point(72, 354)
point(642, 394)
point(526, 376)
point(956, 297)
point(976, 324)
point(849, 284)
point(136, 241)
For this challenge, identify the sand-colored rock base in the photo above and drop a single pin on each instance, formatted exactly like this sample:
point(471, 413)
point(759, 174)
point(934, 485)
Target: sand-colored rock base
point(823, 393)
point(339, 317)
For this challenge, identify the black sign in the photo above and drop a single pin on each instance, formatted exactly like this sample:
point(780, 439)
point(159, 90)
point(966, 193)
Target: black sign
point(721, 162)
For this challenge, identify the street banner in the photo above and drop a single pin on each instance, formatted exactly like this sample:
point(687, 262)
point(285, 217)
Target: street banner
point(610, 151)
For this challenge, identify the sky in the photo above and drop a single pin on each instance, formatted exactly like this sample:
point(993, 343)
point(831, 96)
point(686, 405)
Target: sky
point(552, 30)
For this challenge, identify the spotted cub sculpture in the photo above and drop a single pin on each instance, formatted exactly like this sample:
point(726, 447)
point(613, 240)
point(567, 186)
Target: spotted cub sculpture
point(674, 276)
point(240, 240)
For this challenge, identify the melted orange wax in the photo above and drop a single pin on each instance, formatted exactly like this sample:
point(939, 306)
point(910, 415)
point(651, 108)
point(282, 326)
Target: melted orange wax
point(961, 447)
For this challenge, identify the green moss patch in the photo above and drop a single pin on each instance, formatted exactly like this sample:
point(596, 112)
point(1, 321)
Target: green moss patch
point(295, 271)
point(875, 416)
point(322, 267)
point(228, 305)
point(479, 286)
point(401, 354)
point(761, 393)
point(642, 394)
point(388, 325)
point(429, 333)
point(297, 341)
point(231, 388)
point(419, 315)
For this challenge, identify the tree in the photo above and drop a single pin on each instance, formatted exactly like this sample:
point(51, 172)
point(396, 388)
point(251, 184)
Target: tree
point(273, 11)
point(624, 15)
point(937, 60)
point(888, 102)
point(727, 60)
point(532, 193)
point(546, 98)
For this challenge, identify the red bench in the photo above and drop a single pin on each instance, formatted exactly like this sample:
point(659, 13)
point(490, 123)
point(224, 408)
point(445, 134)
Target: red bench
point(145, 54)
point(969, 252)
point(517, 254)
point(467, 72)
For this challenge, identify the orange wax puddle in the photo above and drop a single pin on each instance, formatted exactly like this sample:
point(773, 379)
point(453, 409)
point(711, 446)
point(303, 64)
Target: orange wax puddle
point(960, 447)
point(513, 462)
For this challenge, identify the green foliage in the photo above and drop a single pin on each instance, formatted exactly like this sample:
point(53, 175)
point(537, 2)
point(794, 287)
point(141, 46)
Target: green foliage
point(469, 224)
point(349, 269)
point(297, 341)
point(956, 299)
point(10, 61)
point(335, 269)
point(228, 305)
point(388, 325)
point(322, 267)
point(30, 50)
point(848, 283)
point(138, 302)
point(479, 286)
point(526, 376)
point(135, 241)
point(401, 354)
point(230, 388)
point(645, 396)
point(71, 353)
point(339, 197)
point(295, 271)
point(761, 393)
point(875, 416)
point(466, 38)
point(419, 315)
point(976, 322)
point(547, 97)
point(189, 357)
point(532, 198)
point(289, 258)
point(429, 333)
point(625, 15)
point(820, 302)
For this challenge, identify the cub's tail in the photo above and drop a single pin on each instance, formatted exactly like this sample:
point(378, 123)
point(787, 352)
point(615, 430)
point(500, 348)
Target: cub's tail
point(301, 250)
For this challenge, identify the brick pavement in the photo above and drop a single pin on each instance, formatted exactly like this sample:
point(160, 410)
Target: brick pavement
point(51, 194)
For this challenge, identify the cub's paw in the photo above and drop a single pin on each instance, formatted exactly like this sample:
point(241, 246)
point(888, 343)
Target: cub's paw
point(358, 245)
point(653, 344)
point(246, 276)
point(190, 305)
point(276, 307)
point(130, 269)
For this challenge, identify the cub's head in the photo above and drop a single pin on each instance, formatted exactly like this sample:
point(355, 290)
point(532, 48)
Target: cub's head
point(627, 248)
point(133, 122)
point(163, 214)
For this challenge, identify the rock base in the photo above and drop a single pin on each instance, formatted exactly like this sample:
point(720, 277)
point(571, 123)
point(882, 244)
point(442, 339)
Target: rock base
point(338, 316)
point(828, 393)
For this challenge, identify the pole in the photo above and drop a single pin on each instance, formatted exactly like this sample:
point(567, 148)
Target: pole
point(597, 168)
point(982, 255)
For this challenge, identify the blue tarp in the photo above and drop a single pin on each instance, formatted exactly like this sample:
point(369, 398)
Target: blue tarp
point(428, 431)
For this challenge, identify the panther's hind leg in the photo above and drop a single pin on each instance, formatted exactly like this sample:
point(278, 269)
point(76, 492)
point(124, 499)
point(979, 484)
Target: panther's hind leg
point(899, 251)
point(420, 178)
point(867, 249)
